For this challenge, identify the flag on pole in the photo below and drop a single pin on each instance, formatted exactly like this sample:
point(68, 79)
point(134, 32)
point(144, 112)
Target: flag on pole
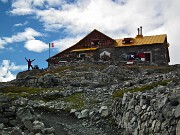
point(51, 45)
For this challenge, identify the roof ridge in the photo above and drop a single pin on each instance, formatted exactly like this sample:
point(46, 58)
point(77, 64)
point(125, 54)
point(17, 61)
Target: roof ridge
point(142, 37)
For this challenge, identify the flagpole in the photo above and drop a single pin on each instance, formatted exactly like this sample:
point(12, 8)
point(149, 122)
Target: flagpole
point(49, 50)
point(50, 45)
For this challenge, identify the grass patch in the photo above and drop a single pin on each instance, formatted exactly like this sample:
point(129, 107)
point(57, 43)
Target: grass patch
point(16, 95)
point(57, 70)
point(120, 93)
point(155, 69)
point(76, 100)
point(60, 69)
point(15, 89)
point(50, 98)
point(83, 67)
point(98, 67)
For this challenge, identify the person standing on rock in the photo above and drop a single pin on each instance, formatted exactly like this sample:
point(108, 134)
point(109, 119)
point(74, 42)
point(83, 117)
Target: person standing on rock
point(29, 63)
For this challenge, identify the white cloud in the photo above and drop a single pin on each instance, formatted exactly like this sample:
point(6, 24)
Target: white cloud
point(12, 66)
point(116, 18)
point(106, 15)
point(6, 70)
point(36, 45)
point(2, 43)
point(27, 7)
point(21, 24)
point(22, 7)
point(47, 3)
point(66, 42)
point(4, 1)
point(28, 36)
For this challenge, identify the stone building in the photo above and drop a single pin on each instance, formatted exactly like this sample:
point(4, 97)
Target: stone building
point(97, 46)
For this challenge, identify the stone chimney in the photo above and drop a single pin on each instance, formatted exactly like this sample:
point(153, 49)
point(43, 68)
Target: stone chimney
point(139, 35)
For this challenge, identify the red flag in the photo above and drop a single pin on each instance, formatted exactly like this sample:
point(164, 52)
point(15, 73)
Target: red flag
point(51, 45)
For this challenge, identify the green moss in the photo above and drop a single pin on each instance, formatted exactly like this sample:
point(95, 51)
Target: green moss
point(120, 93)
point(18, 90)
point(50, 98)
point(60, 69)
point(16, 95)
point(98, 67)
point(76, 100)
point(57, 70)
point(111, 121)
point(83, 67)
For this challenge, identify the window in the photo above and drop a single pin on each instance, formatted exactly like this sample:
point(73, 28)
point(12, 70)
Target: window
point(131, 56)
point(127, 40)
point(82, 55)
point(145, 56)
point(95, 42)
point(142, 56)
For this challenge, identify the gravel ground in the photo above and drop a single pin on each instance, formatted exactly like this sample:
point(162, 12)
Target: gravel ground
point(65, 124)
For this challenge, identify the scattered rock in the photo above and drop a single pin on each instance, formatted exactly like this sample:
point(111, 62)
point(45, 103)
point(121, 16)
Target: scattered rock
point(104, 111)
point(73, 111)
point(178, 128)
point(1, 126)
point(153, 110)
point(25, 114)
point(83, 114)
point(161, 89)
point(177, 111)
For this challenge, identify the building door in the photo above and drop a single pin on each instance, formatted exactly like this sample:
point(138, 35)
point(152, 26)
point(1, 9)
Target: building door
point(147, 56)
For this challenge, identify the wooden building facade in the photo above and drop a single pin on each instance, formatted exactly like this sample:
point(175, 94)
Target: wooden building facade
point(98, 46)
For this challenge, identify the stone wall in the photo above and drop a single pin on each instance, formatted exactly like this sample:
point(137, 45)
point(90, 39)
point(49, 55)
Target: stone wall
point(158, 53)
point(48, 80)
point(153, 112)
point(21, 121)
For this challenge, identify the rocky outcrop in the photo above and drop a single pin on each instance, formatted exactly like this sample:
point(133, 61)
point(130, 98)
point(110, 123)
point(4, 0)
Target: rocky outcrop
point(154, 110)
point(20, 121)
point(80, 76)
point(150, 112)
point(28, 73)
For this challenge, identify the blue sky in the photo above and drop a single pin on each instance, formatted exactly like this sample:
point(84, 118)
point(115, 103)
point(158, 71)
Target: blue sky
point(27, 26)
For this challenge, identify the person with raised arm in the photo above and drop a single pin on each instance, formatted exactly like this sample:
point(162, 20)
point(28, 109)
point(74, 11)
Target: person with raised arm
point(29, 63)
